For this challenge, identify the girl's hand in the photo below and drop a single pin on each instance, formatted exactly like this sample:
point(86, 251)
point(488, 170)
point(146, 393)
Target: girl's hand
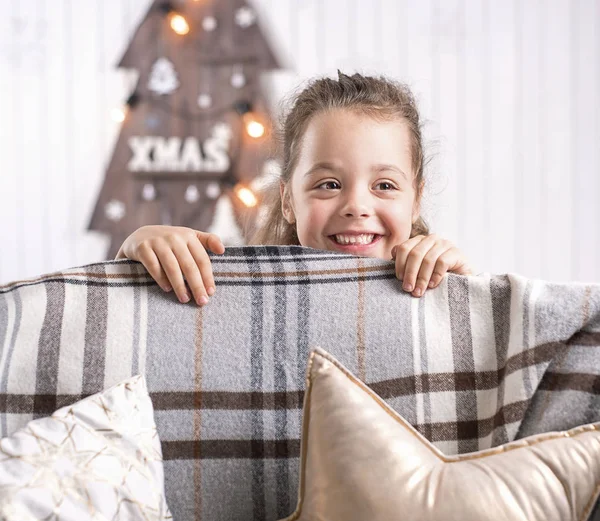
point(171, 253)
point(422, 262)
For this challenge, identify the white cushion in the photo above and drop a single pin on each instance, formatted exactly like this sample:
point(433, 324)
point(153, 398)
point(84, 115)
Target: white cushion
point(99, 459)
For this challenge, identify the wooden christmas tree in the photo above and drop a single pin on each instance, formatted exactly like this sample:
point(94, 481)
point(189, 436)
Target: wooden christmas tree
point(197, 128)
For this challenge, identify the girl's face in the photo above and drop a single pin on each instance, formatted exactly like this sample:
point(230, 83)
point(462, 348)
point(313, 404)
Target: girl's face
point(352, 189)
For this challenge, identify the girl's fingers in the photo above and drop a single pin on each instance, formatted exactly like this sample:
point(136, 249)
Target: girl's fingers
point(452, 260)
point(202, 260)
point(422, 262)
point(433, 268)
point(461, 266)
point(191, 272)
point(436, 278)
point(413, 265)
point(149, 259)
point(211, 242)
point(408, 262)
point(172, 269)
point(401, 252)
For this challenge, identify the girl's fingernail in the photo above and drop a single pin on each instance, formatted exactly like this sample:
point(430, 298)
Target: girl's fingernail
point(185, 298)
point(202, 300)
point(418, 292)
point(167, 288)
point(431, 283)
point(211, 291)
point(408, 287)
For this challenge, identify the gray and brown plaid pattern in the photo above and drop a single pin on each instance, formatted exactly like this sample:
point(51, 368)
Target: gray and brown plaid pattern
point(475, 363)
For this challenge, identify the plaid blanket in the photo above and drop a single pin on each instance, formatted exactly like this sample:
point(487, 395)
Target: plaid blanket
point(476, 362)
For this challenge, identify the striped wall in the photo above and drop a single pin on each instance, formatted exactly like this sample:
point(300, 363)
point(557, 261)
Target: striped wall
point(510, 91)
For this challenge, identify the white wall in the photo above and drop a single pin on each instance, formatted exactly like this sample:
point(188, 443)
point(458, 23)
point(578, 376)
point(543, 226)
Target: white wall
point(510, 90)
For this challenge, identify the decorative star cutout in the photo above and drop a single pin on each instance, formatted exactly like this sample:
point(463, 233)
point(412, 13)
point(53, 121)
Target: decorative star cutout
point(209, 23)
point(213, 190)
point(204, 101)
point(361, 460)
point(192, 194)
point(245, 17)
point(149, 192)
point(238, 80)
point(115, 210)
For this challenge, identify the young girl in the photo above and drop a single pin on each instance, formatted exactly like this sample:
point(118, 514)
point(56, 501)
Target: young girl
point(352, 181)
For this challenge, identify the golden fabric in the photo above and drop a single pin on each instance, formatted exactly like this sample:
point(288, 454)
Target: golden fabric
point(361, 461)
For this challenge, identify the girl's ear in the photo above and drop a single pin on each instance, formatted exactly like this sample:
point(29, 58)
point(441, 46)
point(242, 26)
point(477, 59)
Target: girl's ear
point(286, 204)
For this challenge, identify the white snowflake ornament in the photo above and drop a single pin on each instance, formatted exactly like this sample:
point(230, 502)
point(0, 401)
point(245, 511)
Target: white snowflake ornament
point(209, 23)
point(114, 210)
point(163, 78)
point(245, 17)
point(213, 190)
point(204, 101)
point(149, 192)
point(222, 131)
point(192, 194)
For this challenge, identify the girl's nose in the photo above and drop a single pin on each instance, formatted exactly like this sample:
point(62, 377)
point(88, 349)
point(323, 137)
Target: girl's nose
point(357, 204)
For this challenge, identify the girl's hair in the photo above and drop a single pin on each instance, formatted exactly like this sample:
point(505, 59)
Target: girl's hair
point(379, 98)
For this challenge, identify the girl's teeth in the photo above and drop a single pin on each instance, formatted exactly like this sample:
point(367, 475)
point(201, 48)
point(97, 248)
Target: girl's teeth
point(354, 239)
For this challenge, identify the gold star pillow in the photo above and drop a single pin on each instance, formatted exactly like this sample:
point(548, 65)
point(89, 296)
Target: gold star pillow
point(360, 461)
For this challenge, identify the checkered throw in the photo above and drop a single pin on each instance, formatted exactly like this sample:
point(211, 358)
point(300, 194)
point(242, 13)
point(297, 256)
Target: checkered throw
point(476, 362)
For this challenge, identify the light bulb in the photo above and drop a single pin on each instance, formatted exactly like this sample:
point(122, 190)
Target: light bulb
point(119, 115)
point(254, 128)
point(179, 24)
point(245, 195)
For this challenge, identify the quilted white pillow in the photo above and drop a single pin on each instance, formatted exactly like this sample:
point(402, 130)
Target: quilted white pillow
point(361, 461)
point(99, 459)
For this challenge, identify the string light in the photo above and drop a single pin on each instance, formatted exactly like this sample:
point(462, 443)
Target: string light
point(241, 190)
point(177, 21)
point(118, 115)
point(254, 128)
point(250, 119)
point(245, 195)
point(179, 24)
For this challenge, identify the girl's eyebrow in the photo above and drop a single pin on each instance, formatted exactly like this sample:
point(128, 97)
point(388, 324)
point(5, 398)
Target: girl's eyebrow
point(383, 166)
point(326, 165)
point(321, 165)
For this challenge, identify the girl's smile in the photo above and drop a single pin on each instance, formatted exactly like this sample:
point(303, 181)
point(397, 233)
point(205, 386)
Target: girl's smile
point(355, 242)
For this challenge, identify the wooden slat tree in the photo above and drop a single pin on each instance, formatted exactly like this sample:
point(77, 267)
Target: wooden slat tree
point(185, 145)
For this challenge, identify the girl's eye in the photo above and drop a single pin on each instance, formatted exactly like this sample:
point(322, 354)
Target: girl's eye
point(385, 185)
point(330, 185)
